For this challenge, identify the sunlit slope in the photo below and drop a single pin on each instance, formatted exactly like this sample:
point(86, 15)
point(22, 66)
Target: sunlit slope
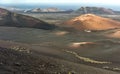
point(92, 22)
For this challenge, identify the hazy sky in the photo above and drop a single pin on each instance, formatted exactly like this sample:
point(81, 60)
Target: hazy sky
point(107, 2)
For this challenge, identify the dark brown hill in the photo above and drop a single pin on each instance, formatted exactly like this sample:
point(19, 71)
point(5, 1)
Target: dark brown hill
point(17, 20)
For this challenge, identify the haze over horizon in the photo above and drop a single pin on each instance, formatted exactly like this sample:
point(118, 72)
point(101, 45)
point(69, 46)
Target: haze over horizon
point(73, 4)
point(107, 2)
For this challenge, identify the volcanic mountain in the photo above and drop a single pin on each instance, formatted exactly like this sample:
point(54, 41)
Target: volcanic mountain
point(17, 20)
point(92, 22)
point(95, 10)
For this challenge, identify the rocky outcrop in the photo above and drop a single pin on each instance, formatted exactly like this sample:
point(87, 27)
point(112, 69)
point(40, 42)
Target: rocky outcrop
point(36, 10)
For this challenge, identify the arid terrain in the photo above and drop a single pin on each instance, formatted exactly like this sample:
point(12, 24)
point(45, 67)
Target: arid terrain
point(90, 46)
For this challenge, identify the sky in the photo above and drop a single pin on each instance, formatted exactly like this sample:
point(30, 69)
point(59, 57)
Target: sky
point(105, 2)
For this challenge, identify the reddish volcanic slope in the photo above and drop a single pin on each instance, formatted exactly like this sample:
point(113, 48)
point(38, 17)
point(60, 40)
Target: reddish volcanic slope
point(17, 20)
point(113, 34)
point(92, 22)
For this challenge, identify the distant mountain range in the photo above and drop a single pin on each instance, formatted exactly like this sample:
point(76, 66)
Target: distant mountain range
point(48, 10)
point(81, 10)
